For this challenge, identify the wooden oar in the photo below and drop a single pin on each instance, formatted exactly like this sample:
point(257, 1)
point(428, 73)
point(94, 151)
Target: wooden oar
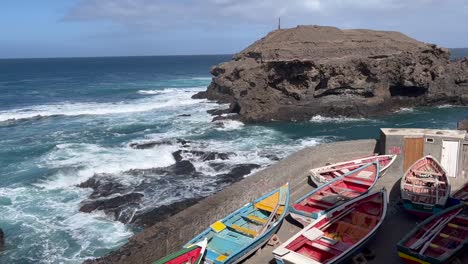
point(434, 231)
point(281, 202)
point(437, 231)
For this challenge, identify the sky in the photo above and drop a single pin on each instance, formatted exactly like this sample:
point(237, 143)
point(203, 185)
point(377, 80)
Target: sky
point(77, 28)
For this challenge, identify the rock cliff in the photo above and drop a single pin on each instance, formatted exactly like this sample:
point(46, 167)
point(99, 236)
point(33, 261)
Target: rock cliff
point(294, 74)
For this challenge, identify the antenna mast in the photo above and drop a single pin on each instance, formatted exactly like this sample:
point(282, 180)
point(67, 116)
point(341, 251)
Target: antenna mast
point(279, 22)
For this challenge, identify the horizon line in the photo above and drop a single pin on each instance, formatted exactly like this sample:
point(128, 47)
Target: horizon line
point(115, 56)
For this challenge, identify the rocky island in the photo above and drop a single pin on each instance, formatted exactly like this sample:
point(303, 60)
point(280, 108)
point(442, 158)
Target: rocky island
point(295, 74)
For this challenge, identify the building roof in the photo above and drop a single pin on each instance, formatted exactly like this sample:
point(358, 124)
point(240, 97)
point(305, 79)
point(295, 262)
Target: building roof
point(459, 134)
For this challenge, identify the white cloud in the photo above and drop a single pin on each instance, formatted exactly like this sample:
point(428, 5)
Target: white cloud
point(256, 11)
point(428, 20)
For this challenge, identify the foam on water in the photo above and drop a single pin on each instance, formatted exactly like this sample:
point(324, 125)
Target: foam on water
point(45, 226)
point(175, 98)
point(341, 119)
point(229, 125)
point(172, 90)
point(405, 110)
point(78, 162)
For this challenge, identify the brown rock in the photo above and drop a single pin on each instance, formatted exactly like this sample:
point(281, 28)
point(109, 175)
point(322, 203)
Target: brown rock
point(297, 73)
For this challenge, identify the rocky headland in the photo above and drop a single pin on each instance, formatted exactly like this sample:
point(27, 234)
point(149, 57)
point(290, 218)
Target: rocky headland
point(297, 73)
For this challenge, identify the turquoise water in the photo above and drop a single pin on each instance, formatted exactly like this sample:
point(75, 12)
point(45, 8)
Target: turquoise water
point(64, 120)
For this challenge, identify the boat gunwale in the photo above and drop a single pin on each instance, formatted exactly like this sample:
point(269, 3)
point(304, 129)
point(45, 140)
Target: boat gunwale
point(315, 215)
point(350, 250)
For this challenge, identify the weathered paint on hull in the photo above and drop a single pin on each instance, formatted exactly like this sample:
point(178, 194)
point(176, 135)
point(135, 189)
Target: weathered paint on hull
point(420, 212)
point(410, 259)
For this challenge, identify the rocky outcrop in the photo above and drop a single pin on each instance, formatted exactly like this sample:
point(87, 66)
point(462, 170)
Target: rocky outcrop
point(2, 239)
point(294, 74)
point(131, 196)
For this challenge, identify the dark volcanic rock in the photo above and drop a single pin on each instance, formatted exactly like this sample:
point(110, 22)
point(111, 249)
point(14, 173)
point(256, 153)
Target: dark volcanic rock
point(237, 173)
point(203, 155)
point(101, 187)
point(2, 239)
point(150, 144)
point(161, 213)
point(297, 73)
point(111, 204)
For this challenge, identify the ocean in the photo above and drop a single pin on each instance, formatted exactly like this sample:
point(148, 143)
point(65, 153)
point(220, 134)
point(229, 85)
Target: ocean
point(65, 121)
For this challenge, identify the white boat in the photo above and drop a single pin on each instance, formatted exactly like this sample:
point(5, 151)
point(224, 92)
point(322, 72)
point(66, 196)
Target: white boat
point(327, 173)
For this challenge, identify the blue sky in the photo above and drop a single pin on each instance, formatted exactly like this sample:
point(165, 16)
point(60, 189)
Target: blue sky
point(70, 28)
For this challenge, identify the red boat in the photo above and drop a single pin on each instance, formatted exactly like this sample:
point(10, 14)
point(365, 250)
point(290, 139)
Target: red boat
point(189, 255)
point(327, 173)
point(338, 235)
point(425, 188)
point(330, 195)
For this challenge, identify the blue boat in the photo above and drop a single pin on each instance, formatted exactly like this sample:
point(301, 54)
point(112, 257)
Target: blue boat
point(334, 193)
point(241, 233)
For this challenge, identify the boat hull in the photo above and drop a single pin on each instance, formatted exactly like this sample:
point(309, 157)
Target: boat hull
point(436, 224)
point(421, 211)
point(316, 177)
point(425, 188)
point(327, 239)
point(193, 254)
point(233, 238)
point(350, 185)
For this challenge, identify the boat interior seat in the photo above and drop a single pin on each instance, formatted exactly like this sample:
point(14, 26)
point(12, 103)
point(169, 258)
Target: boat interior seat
point(359, 181)
point(243, 230)
point(255, 219)
point(269, 204)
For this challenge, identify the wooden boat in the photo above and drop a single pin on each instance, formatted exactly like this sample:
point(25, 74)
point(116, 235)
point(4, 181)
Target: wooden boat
point(438, 238)
point(425, 187)
point(189, 255)
point(337, 235)
point(327, 173)
point(338, 191)
point(462, 194)
point(241, 233)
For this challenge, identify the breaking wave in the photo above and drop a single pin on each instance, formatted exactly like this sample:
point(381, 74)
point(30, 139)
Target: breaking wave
point(175, 98)
point(340, 119)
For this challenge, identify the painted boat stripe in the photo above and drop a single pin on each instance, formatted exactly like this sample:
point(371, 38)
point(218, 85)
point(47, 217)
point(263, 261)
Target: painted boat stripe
point(406, 256)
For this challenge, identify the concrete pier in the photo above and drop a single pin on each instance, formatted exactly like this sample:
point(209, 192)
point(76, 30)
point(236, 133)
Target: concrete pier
point(168, 236)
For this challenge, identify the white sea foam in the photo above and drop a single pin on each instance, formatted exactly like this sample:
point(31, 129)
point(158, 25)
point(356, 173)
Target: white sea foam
point(172, 90)
point(229, 125)
point(78, 162)
point(175, 98)
point(340, 119)
point(202, 78)
point(49, 225)
point(405, 110)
